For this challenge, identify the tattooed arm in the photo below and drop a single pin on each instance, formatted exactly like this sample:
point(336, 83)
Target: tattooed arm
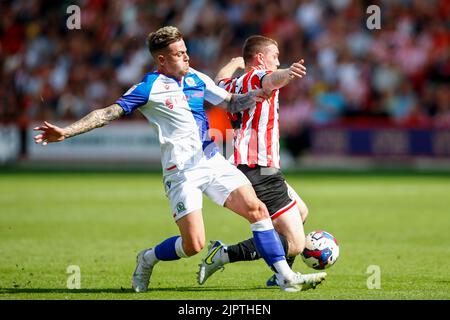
point(240, 102)
point(234, 103)
point(96, 119)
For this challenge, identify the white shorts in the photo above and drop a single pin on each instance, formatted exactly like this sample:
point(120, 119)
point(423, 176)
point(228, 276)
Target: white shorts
point(215, 177)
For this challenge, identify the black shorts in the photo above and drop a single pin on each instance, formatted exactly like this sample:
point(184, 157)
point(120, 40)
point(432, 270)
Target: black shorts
point(270, 187)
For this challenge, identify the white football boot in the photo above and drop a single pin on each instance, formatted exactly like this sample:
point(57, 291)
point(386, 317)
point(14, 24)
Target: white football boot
point(300, 282)
point(212, 262)
point(142, 273)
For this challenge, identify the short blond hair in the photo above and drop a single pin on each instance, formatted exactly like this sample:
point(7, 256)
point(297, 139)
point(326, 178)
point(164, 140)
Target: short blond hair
point(161, 38)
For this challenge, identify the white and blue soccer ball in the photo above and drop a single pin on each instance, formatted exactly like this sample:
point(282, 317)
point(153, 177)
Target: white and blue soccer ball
point(321, 250)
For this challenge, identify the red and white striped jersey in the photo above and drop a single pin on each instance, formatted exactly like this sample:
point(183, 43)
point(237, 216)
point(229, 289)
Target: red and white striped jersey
point(256, 138)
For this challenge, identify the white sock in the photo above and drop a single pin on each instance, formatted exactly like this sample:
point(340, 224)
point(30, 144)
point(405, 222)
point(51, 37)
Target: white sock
point(224, 255)
point(150, 257)
point(283, 269)
point(179, 248)
point(264, 232)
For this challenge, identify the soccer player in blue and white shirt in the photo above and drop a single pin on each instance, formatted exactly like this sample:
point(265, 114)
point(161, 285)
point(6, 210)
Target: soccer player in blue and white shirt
point(172, 99)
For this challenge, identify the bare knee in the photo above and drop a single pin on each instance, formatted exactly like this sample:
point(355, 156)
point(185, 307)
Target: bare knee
point(194, 246)
point(296, 246)
point(304, 212)
point(256, 211)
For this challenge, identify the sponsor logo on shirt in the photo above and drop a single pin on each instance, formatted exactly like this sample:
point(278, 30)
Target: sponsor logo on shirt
point(169, 103)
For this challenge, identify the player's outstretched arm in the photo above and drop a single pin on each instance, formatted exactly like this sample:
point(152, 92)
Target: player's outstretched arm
point(239, 102)
point(282, 77)
point(230, 68)
point(96, 119)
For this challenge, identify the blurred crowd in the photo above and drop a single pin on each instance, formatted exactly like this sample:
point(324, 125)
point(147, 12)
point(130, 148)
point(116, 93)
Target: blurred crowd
point(398, 73)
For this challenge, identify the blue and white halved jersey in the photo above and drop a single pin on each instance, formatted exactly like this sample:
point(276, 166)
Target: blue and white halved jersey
point(175, 109)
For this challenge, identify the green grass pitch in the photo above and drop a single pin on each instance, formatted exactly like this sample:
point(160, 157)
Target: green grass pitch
point(99, 221)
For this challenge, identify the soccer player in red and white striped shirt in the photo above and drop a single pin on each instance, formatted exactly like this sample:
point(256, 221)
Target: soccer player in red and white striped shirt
point(256, 152)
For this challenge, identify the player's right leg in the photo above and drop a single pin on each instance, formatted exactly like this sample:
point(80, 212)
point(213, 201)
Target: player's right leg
point(190, 241)
point(301, 205)
point(186, 202)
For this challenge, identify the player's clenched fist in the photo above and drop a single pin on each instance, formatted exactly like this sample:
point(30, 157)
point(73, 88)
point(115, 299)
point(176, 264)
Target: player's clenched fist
point(297, 69)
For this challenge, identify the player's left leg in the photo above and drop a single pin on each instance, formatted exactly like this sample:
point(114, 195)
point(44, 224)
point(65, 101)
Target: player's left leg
point(271, 188)
point(268, 244)
point(218, 255)
point(232, 189)
point(303, 210)
point(290, 225)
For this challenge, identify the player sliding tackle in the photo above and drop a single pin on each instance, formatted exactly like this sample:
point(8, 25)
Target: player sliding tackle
point(172, 99)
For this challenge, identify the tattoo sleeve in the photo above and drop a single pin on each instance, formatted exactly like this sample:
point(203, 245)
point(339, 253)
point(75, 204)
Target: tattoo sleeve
point(96, 119)
point(278, 79)
point(240, 102)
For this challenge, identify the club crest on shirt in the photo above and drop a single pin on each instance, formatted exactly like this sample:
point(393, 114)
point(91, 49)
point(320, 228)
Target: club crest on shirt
point(180, 207)
point(190, 81)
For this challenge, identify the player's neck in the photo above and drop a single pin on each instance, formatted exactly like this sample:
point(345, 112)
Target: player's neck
point(254, 67)
point(161, 70)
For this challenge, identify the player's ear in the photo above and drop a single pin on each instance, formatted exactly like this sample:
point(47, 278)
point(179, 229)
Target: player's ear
point(161, 59)
point(259, 58)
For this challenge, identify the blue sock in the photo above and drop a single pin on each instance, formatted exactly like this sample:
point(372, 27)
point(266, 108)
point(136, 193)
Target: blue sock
point(267, 242)
point(166, 250)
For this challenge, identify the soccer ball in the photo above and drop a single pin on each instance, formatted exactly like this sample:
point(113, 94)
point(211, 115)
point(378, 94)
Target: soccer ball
point(321, 250)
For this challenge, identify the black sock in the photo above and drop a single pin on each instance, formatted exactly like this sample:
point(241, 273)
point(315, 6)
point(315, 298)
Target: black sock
point(246, 251)
point(243, 251)
point(290, 261)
